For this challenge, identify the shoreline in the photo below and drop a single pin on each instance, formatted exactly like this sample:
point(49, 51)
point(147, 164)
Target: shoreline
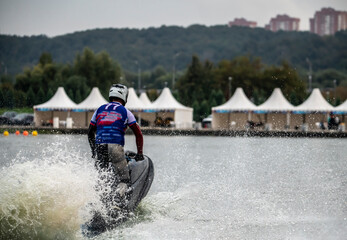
point(190, 132)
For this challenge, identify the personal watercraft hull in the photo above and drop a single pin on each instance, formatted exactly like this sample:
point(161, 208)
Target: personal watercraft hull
point(141, 177)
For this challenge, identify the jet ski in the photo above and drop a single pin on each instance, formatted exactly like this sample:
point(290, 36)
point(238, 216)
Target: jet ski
point(141, 178)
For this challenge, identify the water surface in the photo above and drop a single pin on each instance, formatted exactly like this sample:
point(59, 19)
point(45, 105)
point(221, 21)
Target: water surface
point(204, 188)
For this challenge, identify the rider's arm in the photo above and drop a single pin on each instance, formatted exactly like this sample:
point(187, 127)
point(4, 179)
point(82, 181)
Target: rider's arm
point(91, 138)
point(139, 138)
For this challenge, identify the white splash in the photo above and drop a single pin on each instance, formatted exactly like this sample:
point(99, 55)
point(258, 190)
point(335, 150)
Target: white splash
point(46, 197)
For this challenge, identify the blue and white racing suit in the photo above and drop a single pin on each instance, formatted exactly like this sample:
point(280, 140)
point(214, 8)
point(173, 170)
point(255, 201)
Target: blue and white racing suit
point(111, 120)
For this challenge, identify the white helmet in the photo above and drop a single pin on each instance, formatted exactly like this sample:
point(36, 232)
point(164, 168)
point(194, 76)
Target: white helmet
point(118, 91)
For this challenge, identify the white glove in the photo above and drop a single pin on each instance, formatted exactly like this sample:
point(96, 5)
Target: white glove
point(121, 189)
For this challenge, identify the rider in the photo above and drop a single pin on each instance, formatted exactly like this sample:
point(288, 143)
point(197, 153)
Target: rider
point(109, 123)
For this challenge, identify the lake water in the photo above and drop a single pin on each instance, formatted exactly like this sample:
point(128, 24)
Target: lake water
point(204, 188)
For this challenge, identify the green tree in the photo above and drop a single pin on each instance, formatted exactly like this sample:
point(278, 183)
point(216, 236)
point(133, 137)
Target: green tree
point(71, 94)
point(152, 94)
point(219, 97)
point(45, 58)
point(40, 97)
point(9, 98)
point(205, 110)
point(2, 99)
point(216, 98)
point(20, 99)
point(23, 80)
point(49, 94)
point(286, 78)
point(98, 70)
point(85, 66)
point(77, 83)
point(78, 97)
point(50, 71)
point(196, 112)
point(30, 98)
point(325, 78)
point(196, 83)
point(6, 79)
point(241, 72)
point(188, 85)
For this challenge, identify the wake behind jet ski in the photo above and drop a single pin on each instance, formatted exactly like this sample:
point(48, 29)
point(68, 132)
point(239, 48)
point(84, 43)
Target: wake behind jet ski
point(117, 208)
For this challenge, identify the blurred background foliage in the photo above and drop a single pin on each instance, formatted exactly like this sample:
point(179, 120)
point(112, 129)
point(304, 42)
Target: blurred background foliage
point(201, 65)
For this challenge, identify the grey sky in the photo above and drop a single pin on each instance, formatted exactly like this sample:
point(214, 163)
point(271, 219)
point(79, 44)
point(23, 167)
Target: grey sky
point(57, 17)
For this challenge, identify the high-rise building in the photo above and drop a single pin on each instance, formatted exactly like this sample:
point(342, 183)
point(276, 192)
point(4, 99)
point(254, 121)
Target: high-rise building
point(327, 21)
point(283, 22)
point(243, 23)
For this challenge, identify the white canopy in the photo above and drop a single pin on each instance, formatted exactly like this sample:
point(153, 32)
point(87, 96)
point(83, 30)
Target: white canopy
point(167, 102)
point(314, 103)
point(237, 103)
point(341, 108)
point(275, 103)
point(166, 107)
point(60, 101)
point(134, 103)
point(144, 99)
point(92, 102)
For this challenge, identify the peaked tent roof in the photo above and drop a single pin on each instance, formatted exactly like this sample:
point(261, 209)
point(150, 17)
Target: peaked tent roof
point(92, 102)
point(276, 103)
point(60, 101)
point(133, 102)
point(167, 102)
point(144, 99)
point(238, 102)
point(342, 108)
point(314, 103)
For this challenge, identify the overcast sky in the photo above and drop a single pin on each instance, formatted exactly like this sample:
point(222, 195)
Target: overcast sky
point(57, 17)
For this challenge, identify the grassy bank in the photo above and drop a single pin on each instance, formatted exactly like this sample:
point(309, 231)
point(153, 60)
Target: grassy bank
point(18, 110)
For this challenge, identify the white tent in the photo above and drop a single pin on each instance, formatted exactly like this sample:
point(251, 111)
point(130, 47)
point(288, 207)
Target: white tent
point(341, 109)
point(237, 103)
point(167, 108)
point(314, 103)
point(275, 103)
point(134, 104)
point(58, 107)
point(60, 101)
point(314, 110)
point(92, 102)
point(167, 102)
point(84, 111)
point(144, 99)
point(235, 112)
point(276, 110)
point(137, 107)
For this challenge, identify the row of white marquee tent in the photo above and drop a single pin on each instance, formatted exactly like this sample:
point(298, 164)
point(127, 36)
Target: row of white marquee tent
point(276, 111)
point(61, 110)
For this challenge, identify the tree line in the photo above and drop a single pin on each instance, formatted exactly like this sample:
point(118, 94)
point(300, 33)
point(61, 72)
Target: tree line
point(202, 85)
point(171, 45)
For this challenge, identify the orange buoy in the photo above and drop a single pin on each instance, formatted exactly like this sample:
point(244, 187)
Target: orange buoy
point(25, 133)
point(17, 132)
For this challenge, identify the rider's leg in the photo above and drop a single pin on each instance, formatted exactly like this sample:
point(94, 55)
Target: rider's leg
point(102, 161)
point(117, 157)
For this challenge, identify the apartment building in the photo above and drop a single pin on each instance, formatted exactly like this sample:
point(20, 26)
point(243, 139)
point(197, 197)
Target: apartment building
point(284, 23)
point(243, 23)
point(327, 21)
